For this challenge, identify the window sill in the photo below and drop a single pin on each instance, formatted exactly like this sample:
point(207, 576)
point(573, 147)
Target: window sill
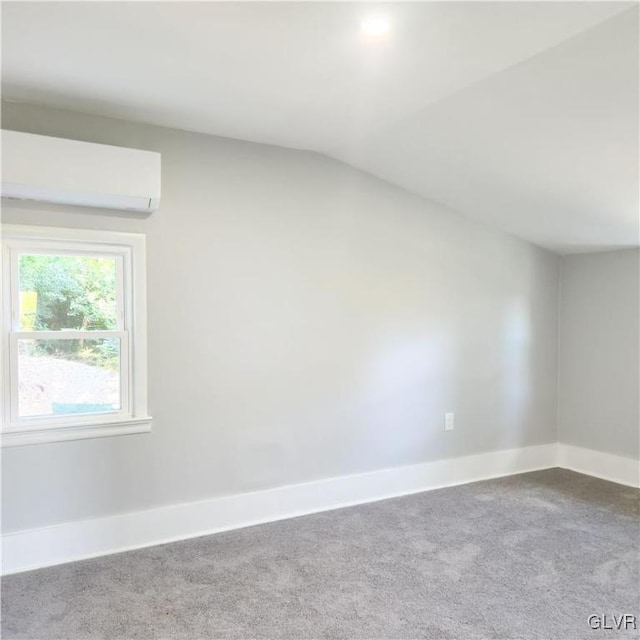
point(79, 431)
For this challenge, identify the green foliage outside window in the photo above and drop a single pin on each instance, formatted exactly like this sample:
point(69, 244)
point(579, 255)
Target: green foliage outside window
point(73, 293)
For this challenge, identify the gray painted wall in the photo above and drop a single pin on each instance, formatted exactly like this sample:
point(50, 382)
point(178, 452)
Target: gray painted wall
point(305, 321)
point(599, 380)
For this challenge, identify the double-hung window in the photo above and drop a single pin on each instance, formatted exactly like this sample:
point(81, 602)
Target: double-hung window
point(73, 334)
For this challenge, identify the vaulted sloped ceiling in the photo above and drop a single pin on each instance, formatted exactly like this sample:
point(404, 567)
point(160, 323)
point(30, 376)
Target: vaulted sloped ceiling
point(523, 115)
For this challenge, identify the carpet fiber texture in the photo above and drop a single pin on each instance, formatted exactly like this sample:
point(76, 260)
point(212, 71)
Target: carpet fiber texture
point(528, 556)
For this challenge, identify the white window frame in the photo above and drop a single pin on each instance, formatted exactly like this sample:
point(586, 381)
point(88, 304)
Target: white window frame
point(128, 249)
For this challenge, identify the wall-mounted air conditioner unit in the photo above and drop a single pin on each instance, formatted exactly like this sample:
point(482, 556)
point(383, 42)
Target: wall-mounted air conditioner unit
point(64, 171)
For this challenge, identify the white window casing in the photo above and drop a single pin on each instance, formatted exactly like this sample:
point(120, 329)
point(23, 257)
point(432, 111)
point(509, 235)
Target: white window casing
point(128, 252)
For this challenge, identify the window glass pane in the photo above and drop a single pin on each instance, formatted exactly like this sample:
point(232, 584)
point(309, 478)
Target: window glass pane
point(62, 377)
point(60, 292)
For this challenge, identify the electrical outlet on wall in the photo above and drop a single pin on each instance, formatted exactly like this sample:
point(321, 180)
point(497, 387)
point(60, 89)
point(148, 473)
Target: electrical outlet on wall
point(448, 422)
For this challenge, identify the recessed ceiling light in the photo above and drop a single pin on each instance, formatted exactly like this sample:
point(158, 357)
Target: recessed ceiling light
point(375, 26)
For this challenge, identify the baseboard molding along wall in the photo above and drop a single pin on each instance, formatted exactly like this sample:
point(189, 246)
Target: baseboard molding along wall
point(46, 546)
point(600, 465)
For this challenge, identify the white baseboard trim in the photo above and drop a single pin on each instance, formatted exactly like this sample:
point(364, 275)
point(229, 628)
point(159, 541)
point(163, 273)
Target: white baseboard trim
point(36, 548)
point(600, 465)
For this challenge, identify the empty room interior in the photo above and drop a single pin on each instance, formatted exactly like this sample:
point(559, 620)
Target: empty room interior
point(320, 320)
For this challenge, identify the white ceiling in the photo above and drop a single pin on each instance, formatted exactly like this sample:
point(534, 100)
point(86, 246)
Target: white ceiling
point(523, 114)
